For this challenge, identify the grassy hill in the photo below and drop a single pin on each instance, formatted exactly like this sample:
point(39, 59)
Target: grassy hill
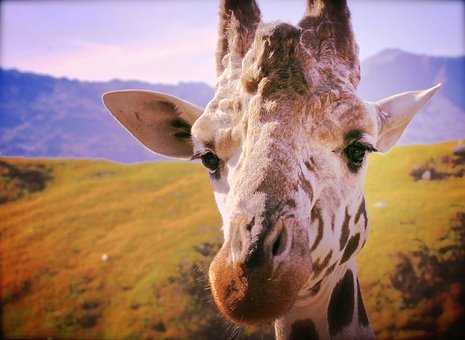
point(93, 249)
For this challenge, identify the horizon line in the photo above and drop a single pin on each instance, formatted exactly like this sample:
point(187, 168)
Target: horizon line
point(77, 79)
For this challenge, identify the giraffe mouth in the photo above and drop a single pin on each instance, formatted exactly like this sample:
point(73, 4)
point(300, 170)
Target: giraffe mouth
point(254, 296)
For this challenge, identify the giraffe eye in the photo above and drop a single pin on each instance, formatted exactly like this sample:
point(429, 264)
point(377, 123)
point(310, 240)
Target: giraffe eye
point(355, 154)
point(210, 161)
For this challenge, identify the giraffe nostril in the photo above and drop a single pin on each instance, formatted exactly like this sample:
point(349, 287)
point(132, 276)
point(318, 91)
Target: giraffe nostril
point(280, 243)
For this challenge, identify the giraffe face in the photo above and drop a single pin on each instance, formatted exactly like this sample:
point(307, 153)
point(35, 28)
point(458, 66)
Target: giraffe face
point(285, 141)
point(286, 163)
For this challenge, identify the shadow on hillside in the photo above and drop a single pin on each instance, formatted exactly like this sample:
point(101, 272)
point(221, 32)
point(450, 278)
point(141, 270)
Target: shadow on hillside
point(441, 168)
point(16, 181)
point(432, 282)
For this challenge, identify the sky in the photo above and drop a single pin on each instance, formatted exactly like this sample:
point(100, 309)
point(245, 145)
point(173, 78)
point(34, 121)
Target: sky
point(174, 41)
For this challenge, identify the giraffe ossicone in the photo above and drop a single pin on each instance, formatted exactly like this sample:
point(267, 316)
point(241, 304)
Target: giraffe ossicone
point(285, 141)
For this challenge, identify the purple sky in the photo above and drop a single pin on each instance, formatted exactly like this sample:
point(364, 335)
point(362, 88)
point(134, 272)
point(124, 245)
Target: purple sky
point(172, 41)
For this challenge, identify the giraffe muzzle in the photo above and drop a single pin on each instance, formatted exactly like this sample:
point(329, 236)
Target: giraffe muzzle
point(253, 278)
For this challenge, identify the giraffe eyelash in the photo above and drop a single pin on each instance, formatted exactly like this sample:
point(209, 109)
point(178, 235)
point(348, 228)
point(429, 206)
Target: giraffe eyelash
point(368, 147)
point(196, 155)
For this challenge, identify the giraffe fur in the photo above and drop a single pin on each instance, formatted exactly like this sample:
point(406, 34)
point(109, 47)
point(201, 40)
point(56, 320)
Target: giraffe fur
point(285, 140)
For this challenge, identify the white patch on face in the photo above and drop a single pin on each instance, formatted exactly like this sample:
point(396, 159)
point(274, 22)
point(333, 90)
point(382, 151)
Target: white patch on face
point(227, 202)
point(221, 190)
point(220, 199)
point(303, 206)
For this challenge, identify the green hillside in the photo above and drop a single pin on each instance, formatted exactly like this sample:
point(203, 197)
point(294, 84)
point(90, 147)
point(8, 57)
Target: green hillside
point(93, 249)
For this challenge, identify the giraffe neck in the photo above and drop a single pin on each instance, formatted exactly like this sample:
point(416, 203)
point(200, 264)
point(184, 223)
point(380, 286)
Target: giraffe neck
point(334, 311)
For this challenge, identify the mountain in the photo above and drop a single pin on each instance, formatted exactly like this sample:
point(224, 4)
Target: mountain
point(393, 71)
point(58, 117)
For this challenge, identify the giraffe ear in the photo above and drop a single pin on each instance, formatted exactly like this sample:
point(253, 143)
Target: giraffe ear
point(396, 112)
point(159, 121)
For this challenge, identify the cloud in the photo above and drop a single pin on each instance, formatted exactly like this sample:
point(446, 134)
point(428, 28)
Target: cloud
point(166, 59)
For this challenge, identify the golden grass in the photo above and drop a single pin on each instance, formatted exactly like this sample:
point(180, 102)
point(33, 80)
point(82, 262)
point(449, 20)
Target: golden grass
point(148, 217)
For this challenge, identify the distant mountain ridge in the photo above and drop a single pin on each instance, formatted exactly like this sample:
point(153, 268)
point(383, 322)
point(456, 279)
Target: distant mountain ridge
point(393, 71)
point(57, 117)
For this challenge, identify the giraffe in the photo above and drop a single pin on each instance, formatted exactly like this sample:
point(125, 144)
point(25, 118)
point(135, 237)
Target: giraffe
point(285, 141)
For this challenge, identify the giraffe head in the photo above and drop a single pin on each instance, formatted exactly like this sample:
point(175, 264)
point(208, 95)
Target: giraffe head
point(285, 141)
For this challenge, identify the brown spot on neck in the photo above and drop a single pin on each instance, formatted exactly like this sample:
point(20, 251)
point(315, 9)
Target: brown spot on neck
point(341, 304)
point(345, 231)
point(303, 330)
point(362, 211)
point(318, 267)
point(362, 314)
point(351, 247)
point(316, 215)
